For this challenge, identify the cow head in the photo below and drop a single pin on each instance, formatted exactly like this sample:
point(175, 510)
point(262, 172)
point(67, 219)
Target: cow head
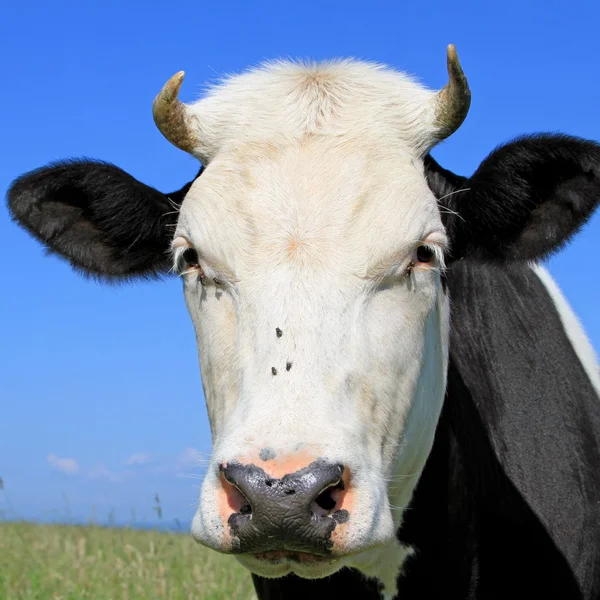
point(312, 252)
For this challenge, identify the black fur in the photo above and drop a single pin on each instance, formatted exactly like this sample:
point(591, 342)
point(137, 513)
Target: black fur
point(508, 505)
point(105, 222)
point(347, 583)
point(514, 470)
point(526, 199)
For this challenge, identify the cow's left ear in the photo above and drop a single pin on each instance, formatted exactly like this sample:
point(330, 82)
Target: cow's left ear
point(526, 199)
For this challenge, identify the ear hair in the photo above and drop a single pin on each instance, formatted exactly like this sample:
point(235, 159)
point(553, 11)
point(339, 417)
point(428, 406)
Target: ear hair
point(102, 220)
point(525, 201)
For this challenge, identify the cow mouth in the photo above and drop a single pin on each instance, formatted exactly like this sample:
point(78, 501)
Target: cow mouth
point(276, 557)
point(279, 563)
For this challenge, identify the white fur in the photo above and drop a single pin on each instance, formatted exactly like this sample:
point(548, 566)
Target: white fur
point(579, 340)
point(385, 563)
point(309, 213)
point(283, 101)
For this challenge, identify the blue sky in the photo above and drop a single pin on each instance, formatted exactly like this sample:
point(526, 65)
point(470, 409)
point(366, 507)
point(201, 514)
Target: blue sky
point(99, 386)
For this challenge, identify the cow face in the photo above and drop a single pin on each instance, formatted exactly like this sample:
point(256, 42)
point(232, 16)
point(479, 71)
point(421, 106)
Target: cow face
point(311, 252)
point(312, 275)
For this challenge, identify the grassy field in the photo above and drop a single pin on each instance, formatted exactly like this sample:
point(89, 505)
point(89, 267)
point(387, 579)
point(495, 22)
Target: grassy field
point(64, 562)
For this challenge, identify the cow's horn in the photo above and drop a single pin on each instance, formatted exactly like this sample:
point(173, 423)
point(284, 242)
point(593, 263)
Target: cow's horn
point(172, 116)
point(453, 101)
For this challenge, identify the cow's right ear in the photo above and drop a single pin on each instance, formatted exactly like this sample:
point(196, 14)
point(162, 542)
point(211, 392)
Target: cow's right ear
point(98, 217)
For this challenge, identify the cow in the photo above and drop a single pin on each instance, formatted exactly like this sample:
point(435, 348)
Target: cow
point(401, 402)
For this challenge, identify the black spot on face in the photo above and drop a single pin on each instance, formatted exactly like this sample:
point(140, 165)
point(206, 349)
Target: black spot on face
point(278, 332)
point(273, 371)
point(267, 454)
point(340, 516)
point(288, 366)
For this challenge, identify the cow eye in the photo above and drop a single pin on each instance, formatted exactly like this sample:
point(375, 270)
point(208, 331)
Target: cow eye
point(190, 262)
point(425, 254)
point(190, 257)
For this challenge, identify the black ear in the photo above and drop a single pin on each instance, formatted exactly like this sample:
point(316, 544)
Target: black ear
point(105, 222)
point(525, 200)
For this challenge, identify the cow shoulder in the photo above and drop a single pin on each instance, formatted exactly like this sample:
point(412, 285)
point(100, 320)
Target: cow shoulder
point(540, 414)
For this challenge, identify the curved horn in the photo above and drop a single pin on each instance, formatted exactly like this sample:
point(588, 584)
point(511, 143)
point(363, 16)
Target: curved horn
point(171, 116)
point(453, 101)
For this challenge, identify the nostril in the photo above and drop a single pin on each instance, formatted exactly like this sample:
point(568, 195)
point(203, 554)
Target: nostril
point(245, 510)
point(236, 500)
point(325, 503)
point(325, 500)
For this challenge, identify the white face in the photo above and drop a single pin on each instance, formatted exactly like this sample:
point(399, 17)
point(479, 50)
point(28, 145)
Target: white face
point(323, 337)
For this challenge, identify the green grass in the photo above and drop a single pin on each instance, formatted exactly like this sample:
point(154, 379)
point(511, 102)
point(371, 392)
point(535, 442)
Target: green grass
point(65, 562)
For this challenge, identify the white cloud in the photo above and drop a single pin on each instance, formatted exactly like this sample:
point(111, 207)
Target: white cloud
point(69, 466)
point(191, 460)
point(139, 458)
point(100, 471)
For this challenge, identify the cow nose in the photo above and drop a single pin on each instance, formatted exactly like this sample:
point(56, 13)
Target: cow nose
point(297, 512)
